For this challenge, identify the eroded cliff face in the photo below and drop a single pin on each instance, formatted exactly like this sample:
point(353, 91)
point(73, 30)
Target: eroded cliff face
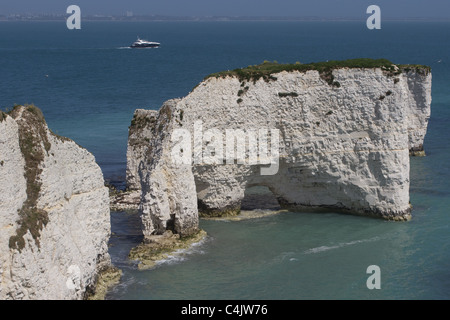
point(138, 141)
point(344, 144)
point(54, 212)
point(419, 95)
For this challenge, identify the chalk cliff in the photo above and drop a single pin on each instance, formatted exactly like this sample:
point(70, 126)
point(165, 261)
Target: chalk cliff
point(54, 212)
point(339, 133)
point(138, 139)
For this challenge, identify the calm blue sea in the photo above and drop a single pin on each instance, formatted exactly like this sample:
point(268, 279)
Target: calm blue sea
point(88, 84)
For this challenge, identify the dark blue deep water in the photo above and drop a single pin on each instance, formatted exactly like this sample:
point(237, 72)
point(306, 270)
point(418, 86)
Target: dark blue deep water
point(88, 84)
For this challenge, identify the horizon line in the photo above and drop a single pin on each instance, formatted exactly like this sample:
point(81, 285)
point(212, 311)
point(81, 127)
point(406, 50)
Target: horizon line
point(160, 17)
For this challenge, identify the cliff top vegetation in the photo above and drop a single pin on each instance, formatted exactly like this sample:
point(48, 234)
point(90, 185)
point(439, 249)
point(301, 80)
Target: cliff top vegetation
point(267, 69)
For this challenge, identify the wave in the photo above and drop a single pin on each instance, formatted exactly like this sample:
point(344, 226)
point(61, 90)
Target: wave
point(126, 281)
point(340, 245)
point(285, 256)
point(182, 254)
point(293, 256)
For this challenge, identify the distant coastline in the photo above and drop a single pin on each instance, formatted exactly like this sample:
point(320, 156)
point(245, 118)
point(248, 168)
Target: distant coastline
point(140, 18)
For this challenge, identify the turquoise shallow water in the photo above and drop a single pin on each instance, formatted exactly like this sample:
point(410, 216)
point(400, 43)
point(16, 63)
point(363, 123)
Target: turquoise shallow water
point(88, 85)
point(299, 256)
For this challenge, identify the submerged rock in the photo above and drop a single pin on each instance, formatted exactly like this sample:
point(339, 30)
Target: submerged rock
point(107, 277)
point(54, 212)
point(159, 247)
point(339, 135)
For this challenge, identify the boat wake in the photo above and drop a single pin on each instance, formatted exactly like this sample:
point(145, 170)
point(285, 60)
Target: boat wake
point(340, 245)
point(146, 48)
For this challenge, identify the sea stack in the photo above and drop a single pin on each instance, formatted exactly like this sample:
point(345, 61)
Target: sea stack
point(54, 212)
point(341, 133)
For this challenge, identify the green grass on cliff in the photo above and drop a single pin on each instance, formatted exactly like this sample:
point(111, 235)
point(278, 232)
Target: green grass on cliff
point(33, 144)
point(267, 69)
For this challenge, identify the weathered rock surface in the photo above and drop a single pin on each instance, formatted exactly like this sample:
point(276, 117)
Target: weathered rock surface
point(54, 212)
point(123, 200)
point(169, 187)
point(419, 95)
point(138, 139)
point(137, 150)
point(344, 144)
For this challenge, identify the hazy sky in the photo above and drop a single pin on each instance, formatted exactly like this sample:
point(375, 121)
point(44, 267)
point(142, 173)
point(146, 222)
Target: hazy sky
point(320, 8)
